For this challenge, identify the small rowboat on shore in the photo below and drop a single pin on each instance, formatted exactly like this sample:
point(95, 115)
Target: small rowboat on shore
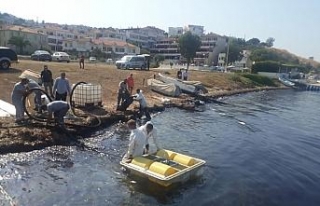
point(286, 82)
point(186, 88)
point(166, 167)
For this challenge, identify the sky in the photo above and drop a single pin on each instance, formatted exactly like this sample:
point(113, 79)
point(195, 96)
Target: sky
point(293, 23)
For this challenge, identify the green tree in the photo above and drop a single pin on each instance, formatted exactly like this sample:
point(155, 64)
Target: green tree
point(19, 42)
point(144, 51)
point(235, 49)
point(253, 42)
point(158, 58)
point(270, 41)
point(189, 45)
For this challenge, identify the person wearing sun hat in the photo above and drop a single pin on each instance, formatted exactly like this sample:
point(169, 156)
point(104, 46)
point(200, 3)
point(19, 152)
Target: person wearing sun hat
point(19, 90)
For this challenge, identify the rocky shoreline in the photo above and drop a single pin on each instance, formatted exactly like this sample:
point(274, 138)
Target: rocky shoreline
point(37, 135)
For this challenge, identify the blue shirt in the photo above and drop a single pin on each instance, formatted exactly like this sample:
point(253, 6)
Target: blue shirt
point(61, 86)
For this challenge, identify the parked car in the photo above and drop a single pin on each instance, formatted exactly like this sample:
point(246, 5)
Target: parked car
point(61, 57)
point(109, 61)
point(134, 62)
point(92, 59)
point(7, 56)
point(41, 55)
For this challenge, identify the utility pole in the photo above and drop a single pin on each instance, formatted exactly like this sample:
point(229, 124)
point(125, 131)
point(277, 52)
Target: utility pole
point(227, 55)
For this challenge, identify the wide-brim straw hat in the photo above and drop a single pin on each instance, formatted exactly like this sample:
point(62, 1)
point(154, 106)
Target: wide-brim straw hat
point(23, 76)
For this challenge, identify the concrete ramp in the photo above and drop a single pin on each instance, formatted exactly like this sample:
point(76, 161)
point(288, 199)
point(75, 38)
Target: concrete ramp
point(6, 109)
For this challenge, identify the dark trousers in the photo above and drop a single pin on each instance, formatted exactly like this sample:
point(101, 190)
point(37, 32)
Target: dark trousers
point(62, 97)
point(81, 64)
point(59, 115)
point(144, 111)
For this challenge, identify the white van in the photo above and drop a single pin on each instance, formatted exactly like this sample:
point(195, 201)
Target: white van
point(134, 62)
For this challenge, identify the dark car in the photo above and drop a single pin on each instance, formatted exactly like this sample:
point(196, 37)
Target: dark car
point(7, 56)
point(41, 55)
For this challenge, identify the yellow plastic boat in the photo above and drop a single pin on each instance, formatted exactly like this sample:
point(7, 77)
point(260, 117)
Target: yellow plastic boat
point(166, 167)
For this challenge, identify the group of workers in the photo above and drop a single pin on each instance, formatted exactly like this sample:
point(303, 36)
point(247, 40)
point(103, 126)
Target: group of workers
point(125, 97)
point(139, 140)
point(57, 108)
point(59, 89)
point(182, 74)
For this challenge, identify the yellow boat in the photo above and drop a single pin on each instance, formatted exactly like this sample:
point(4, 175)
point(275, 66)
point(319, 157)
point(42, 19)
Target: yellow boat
point(166, 167)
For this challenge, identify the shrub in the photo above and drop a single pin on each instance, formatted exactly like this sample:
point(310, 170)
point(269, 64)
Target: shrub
point(259, 80)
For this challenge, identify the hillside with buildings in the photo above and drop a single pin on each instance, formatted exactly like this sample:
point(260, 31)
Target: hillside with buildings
point(114, 43)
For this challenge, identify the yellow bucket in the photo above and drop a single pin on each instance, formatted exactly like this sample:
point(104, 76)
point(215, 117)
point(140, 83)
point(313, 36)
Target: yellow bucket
point(162, 169)
point(142, 162)
point(167, 154)
point(184, 160)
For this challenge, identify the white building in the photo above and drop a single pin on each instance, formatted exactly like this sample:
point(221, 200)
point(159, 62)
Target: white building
point(221, 59)
point(55, 37)
point(143, 37)
point(86, 45)
point(110, 33)
point(168, 48)
point(194, 29)
point(116, 46)
point(245, 61)
point(82, 46)
point(36, 39)
point(175, 31)
point(211, 45)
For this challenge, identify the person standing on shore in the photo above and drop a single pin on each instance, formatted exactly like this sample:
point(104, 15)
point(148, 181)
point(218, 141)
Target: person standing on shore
point(179, 74)
point(143, 109)
point(130, 82)
point(137, 142)
point(185, 75)
point(46, 78)
point(61, 87)
point(81, 62)
point(19, 90)
point(123, 92)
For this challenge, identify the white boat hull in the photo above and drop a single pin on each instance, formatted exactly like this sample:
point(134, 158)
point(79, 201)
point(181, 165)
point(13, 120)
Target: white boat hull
point(183, 174)
point(184, 87)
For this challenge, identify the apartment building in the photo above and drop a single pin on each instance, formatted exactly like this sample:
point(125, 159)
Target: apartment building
point(211, 45)
point(37, 40)
point(82, 46)
point(194, 29)
point(56, 35)
point(117, 47)
point(110, 33)
point(169, 48)
point(221, 59)
point(110, 46)
point(143, 37)
point(175, 31)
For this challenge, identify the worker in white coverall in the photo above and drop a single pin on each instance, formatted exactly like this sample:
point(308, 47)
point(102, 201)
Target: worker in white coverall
point(18, 92)
point(150, 133)
point(37, 98)
point(137, 142)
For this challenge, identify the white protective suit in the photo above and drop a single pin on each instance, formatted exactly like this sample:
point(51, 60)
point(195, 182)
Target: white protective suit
point(152, 134)
point(16, 96)
point(137, 142)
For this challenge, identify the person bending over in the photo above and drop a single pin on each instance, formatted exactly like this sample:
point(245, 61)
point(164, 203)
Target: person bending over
point(143, 109)
point(57, 109)
point(151, 133)
point(137, 142)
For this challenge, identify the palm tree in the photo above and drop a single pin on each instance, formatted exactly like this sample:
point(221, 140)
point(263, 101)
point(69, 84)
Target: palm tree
point(19, 42)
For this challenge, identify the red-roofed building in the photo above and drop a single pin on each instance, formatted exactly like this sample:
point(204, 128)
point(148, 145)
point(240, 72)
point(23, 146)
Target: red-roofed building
point(37, 40)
